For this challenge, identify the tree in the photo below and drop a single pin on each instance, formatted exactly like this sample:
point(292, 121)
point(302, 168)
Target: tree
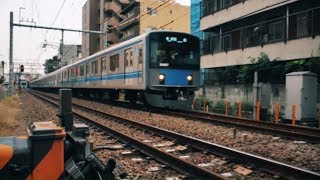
point(51, 64)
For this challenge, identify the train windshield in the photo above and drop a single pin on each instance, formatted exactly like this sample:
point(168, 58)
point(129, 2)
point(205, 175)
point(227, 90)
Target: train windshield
point(174, 50)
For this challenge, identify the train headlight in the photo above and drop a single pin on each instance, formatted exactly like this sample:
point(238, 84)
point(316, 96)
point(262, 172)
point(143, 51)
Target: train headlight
point(189, 78)
point(161, 78)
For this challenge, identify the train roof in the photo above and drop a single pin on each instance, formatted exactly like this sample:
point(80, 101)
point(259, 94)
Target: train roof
point(97, 54)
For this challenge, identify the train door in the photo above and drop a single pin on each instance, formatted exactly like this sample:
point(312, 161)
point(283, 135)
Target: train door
point(128, 66)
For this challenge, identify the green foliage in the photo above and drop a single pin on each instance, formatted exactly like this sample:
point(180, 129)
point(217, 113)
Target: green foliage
point(220, 105)
point(268, 70)
point(297, 65)
point(247, 106)
point(261, 64)
point(51, 64)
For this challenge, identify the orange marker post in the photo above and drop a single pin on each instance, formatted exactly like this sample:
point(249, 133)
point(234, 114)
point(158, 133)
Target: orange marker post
point(276, 117)
point(239, 109)
point(193, 102)
point(294, 115)
point(258, 111)
point(226, 105)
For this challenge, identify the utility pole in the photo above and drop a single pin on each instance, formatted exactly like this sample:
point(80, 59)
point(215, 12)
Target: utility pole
point(10, 51)
point(37, 27)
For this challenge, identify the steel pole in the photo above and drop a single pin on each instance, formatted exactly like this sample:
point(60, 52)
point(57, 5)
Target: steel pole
point(10, 51)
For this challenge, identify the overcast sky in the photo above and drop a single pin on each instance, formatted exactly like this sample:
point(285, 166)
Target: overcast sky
point(27, 43)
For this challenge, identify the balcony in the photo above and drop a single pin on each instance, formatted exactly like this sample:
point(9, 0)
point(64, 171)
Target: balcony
point(130, 21)
point(111, 21)
point(113, 37)
point(127, 8)
point(112, 6)
point(281, 38)
point(304, 24)
point(133, 32)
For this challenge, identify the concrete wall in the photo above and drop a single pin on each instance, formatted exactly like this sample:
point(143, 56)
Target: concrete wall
point(164, 15)
point(70, 55)
point(293, 49)
point(248, 7)
point(244, 92)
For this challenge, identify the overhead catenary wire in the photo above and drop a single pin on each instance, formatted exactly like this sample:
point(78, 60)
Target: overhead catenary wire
point(41, 51)
point(173, 21)
point(141, 15)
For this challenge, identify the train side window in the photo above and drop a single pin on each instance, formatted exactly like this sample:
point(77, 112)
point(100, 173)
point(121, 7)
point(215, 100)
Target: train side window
point(131, 58)
point(69, 73)
point(78, 71)
point(88, 69)
point(96, 67)
point(81, 70)
point(104, 63)
point(114, 63)
point(140, 55)
point(92, 67)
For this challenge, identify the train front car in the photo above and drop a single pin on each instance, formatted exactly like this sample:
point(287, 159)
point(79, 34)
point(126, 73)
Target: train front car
point(174, 69)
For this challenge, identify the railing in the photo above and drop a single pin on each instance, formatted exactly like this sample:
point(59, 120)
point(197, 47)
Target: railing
point(132, 17)
point(302, 24)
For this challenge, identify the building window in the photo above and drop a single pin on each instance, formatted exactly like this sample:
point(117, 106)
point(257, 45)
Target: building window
point(114, 63)
point(226, 42)
point(302, 26)
point(151, 11)
point(276, 31)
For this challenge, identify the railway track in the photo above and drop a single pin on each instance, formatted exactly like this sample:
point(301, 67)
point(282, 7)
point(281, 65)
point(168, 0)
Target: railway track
point(288, 131)
point(233, 156)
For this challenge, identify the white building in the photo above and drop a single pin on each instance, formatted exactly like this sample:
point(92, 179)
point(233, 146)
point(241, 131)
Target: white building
point(237, 30)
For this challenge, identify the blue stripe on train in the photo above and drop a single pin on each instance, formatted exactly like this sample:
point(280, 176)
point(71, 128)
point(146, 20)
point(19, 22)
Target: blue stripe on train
point(120, 76)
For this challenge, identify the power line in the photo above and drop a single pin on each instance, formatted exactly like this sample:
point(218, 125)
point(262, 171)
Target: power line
point(140, 15)
point(173, 21)
point(41, 51)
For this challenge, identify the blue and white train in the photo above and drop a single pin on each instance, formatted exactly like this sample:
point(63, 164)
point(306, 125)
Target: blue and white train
point(159, 68)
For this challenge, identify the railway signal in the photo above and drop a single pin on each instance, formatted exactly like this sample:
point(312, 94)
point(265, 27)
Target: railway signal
point(21, 68)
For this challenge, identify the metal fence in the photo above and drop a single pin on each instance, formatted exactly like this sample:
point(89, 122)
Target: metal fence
point(5, 93)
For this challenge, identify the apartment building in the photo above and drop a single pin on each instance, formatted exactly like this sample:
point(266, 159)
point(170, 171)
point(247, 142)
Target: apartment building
point(237, 30)
point(90, 21)
point(71, 53)
point(120, 20)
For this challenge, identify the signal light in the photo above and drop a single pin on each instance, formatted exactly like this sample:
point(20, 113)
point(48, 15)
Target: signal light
point(21, 68)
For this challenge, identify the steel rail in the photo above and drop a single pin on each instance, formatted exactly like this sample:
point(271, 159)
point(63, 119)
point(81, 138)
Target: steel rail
point(268, 165)
point(174, 162)
point(288, 131)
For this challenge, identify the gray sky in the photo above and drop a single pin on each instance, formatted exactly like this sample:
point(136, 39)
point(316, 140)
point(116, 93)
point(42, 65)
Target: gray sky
point(27, 42)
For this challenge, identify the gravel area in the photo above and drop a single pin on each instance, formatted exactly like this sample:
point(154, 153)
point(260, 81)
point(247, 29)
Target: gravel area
point(35, 110)
point(296, 153)
point(137, 165)
point(206, 160)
